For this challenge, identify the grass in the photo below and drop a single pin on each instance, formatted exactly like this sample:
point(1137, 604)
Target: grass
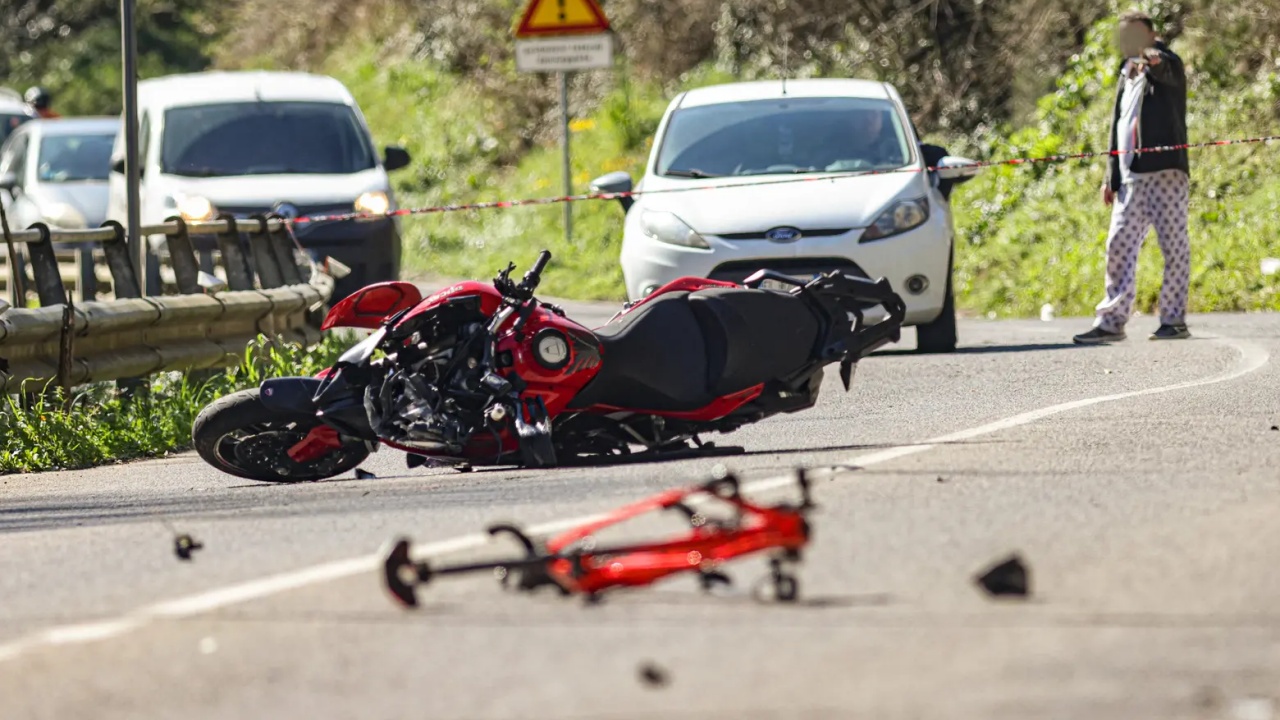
point(104, 427)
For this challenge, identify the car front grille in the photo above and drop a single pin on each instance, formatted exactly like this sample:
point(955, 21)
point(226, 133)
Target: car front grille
point(245, 211)
point(822, 232)
point(739, 270)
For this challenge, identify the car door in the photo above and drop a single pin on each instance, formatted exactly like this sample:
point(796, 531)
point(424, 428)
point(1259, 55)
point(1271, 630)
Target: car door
point(21, 210)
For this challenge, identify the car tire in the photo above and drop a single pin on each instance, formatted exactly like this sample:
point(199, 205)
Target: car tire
point(940, 336)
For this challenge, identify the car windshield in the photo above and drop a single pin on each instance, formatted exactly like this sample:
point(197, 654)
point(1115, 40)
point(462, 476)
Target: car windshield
point(10, 122)
point(797, 135)
point(74, 158)
point(264, 138)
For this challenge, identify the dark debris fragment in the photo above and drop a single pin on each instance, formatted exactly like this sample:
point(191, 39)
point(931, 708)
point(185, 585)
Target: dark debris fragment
point(1008, 578)
point(362, 474)
point(653, 675)
point(184, 545)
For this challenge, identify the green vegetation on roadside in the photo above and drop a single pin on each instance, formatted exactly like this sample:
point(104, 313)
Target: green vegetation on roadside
point(104, 427)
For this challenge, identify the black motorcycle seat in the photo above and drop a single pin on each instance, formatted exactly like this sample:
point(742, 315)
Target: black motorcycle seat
point(680, 351)
point(752, 336)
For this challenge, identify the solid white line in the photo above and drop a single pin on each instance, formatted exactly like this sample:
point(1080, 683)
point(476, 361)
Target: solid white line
point(1252, 358)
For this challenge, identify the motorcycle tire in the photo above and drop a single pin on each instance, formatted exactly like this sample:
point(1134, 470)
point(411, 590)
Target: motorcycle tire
point(240, 436)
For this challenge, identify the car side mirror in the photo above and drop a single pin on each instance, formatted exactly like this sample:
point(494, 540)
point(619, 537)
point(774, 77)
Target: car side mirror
point(957, 169)
point(395, 158)
point(615, 182)
point(117, 165)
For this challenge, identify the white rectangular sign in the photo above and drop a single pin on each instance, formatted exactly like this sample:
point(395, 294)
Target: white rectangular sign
point(568, 52)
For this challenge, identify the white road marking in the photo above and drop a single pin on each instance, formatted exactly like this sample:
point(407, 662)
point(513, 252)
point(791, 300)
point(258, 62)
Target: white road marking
point(1252, 358)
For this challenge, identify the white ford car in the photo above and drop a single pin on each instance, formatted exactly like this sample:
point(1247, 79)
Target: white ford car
point(741, 139)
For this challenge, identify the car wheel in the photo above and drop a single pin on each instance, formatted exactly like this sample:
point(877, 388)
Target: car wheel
point(939, 336)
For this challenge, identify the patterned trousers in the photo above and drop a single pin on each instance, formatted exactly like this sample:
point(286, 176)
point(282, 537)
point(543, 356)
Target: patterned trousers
point(1158, 199)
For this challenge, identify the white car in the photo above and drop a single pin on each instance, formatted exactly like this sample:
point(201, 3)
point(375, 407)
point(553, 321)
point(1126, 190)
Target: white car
point(55, 172)
point(250, 143)
point(741, 139)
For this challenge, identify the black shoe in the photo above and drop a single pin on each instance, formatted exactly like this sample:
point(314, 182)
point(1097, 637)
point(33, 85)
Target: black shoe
point(1098, 336)
point(1171, 332)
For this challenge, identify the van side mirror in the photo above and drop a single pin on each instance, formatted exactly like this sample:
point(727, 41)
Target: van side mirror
point(395, 158)
point(615, 182)
point(117, 165)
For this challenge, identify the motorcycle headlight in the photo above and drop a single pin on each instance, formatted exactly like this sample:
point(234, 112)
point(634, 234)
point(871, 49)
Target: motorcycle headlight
point(374, 202)
point(899, 217)
point(666, 227)
point(194, 208)
point(62, 215)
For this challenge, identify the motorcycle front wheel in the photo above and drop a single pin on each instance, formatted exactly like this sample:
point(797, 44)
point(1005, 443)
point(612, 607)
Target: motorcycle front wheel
point(239, 435)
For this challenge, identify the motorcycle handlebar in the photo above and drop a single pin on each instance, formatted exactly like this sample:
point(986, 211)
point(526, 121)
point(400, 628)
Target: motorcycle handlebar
point(532, 277)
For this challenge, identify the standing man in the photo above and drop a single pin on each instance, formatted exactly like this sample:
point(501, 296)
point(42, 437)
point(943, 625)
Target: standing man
point(1146, 188)
point(41, 101)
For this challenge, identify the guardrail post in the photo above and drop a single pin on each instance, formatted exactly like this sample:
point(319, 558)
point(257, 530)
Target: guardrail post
point(124, 280)
point(264, 258)
point(239, 276)
point(44, 265)
point(282, 245)
point(155, 285)
point(182, 255)
point(88, 278)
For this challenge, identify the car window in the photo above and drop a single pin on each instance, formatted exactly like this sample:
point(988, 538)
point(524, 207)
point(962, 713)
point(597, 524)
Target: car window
point(74, 158)
point(10, 122)
point(788, 135)
point(261, 138)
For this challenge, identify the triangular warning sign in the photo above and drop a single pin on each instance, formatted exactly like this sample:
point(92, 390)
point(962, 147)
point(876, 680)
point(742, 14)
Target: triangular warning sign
point(561, 17)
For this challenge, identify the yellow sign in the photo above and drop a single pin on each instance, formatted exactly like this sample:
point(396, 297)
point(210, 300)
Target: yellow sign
point(561, 17)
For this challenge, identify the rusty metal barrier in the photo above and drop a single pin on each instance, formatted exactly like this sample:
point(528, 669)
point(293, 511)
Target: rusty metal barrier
point(274, 291)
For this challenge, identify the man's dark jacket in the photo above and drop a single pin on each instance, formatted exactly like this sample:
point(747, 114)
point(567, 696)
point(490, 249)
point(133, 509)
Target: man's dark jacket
point(1163, 121)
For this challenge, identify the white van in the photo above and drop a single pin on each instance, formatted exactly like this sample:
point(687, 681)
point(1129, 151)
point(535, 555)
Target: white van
point(248, 143)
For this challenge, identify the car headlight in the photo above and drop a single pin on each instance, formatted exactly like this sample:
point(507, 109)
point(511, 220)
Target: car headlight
point(194, 208)
point(374, 202)
point(899, 217)
point(666, 227)
point(62, 215)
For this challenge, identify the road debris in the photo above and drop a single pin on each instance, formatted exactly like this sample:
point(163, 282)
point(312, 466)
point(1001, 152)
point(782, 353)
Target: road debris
point(941, 479)
point(362, 474)
point(184, 545)
point(653, 675)
point(573, 562)
point(1010, 577)
point(1047, 312)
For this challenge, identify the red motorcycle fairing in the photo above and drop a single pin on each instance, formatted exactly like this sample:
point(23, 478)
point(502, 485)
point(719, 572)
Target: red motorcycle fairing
point(490, 298)
point(370, 306)
point(684, 284)
point(716, 409)
point(556, 383)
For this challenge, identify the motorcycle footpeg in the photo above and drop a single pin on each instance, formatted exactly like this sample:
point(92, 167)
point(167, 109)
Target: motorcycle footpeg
point(533, 426)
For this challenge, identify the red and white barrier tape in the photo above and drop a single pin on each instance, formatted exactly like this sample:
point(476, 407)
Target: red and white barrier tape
point(825, 177)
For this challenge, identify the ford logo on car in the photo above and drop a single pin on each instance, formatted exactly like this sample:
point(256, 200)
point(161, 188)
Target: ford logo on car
point(783, 234)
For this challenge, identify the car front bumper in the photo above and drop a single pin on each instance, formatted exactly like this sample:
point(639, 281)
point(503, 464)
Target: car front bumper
point(924, 251)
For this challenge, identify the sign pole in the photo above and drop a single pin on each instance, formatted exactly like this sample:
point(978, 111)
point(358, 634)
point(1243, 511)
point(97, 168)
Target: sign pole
point(566, 165)
point(129, 50)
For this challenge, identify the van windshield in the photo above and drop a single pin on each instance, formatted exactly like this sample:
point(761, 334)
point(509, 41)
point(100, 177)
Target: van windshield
point(264, 138)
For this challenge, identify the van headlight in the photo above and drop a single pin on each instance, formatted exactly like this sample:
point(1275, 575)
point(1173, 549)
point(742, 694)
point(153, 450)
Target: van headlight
point(194, 208)
point(666, 227)
point(62, 215)
point(899, 217)
point(374, 202)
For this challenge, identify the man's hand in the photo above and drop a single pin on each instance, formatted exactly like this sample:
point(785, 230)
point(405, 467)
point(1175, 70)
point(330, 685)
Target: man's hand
point(1152, 56)
point(1108, 196)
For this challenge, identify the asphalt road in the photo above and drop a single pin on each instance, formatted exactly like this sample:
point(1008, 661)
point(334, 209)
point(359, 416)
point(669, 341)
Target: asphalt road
point(1139, 481)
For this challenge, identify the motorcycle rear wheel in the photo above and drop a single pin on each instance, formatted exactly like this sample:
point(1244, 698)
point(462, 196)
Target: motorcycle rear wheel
point(239, 435)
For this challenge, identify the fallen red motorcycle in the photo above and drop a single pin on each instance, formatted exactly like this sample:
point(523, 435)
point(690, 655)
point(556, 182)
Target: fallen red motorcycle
point(487, 374)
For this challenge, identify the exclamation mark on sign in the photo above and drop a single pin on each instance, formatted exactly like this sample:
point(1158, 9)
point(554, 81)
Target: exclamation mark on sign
point(562, 11)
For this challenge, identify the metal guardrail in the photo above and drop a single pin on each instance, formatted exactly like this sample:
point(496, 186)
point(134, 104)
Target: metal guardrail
point(270, 289)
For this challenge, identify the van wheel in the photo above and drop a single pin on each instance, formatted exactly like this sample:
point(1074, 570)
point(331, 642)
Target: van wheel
point(940, 336)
